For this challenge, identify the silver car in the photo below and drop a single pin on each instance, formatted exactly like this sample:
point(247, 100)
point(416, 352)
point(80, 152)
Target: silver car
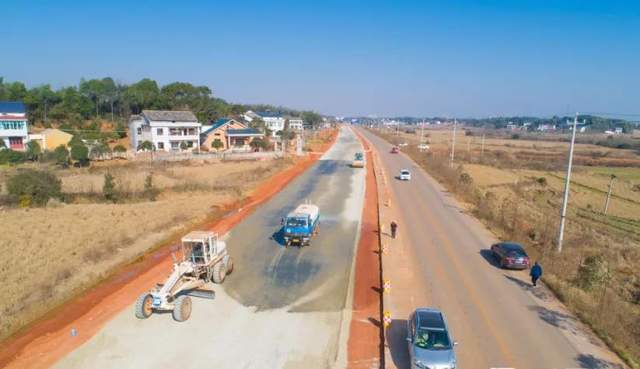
point(430, 344)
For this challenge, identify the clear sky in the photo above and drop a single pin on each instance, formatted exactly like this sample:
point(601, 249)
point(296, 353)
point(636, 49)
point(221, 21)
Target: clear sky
point(451, 57)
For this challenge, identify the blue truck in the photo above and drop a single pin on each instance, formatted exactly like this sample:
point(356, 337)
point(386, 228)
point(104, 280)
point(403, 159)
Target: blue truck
point(300, 225)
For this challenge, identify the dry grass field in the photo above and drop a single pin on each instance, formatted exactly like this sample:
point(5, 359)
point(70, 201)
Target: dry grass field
point(515, 187)
point(52, 253)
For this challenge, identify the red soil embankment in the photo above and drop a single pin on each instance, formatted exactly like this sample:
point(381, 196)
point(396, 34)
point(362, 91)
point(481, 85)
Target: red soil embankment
point(365, 338)
point(44, 342)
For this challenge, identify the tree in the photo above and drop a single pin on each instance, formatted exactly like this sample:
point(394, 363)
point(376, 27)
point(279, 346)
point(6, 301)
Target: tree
point(312, 118)
point(146, 146)
point(100, 150)
point(259, 144)
point(2, 144)
point(183, 146)
point(217, 144)
point(34, 187)
point(33, 151)
point(109, 188)
point(79, 152)
point(61, 155)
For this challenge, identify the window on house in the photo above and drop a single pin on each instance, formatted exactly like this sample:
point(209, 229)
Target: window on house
point(217, 134)
point(189, 144)
point(160, 145)
point(159, 131)
point(175, 145)
point(139, 130)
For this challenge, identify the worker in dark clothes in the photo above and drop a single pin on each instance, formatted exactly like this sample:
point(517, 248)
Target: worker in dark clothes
point(394, 229)
point(536, 273)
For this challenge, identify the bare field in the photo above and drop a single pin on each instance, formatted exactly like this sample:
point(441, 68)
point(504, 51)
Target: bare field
point(52, 253)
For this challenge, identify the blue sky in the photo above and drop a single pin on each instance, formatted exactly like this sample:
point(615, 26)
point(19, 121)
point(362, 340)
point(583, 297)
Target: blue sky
point(456, 57)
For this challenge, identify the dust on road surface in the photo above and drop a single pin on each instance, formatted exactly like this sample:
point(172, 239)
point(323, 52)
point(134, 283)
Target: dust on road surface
point(498, 319)
point(281, 307)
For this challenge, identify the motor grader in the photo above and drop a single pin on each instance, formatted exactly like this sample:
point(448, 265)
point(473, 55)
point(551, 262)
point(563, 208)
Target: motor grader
point(204, 258)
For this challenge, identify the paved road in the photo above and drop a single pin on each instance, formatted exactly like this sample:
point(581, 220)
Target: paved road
point(281, 308)
point(494, 314)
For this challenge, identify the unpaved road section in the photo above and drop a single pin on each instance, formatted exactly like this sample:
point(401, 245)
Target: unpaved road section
point(281, 308)
point(498, 319)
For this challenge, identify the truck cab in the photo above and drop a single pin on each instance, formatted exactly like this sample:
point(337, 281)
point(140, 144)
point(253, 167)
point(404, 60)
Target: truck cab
point(300, 225)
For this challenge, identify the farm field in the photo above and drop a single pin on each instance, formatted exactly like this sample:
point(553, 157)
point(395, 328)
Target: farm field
point(54, 252)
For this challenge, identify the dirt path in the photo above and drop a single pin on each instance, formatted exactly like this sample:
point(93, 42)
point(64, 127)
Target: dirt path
point(365, 339)
point(59, 332)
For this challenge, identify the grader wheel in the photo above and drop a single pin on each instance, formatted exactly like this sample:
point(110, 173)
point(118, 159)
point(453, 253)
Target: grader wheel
point(229, 265)
point(219, 273)
point(182, 308)
point(143, 306)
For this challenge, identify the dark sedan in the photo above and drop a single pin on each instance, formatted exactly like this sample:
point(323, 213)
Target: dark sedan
point(510, 255)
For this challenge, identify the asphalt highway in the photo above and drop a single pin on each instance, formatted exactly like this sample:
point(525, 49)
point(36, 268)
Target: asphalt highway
point(499, 320)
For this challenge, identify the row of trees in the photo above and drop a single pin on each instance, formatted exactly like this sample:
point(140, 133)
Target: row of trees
point(107, 99)
point(597, 124)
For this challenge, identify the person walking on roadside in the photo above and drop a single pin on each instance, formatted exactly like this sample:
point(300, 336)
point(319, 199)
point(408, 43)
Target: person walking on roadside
point(394, 229)
point(536, 273)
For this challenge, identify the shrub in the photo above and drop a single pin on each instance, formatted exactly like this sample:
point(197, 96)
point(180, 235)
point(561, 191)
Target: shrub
point(183, 145)
point(79, 152)
point(542, 181)
point(146, 146)
point(259, 144)
point(217, 144)
point(61, 155)
point(515, 136)
point(593, 272)
point(2, 144)
point(119, 148)
point(12, 157)
point(109, 188)
point(465, 178)
point(149, 191)
point(34, 187)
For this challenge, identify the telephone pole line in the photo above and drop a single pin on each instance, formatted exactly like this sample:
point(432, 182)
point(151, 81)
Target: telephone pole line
point(563, 214)
point(606, 203)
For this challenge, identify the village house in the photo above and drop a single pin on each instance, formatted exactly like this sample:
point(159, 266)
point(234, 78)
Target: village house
point(273, 121)
point(296, 124)
point(230, 133)
point(167, 130)
point(51, 138)
point(13, 125)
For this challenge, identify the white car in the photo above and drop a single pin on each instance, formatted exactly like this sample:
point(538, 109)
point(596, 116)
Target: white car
point(405, 175)
point(403, 144)
point(422, 147)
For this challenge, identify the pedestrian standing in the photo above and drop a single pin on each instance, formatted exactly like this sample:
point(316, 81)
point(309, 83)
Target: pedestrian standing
point(536, 273)
point(394, 228)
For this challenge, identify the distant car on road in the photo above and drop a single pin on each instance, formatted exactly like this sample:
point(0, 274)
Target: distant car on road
point(430, 344)
point(405, 175)
point(395, 150)
point(403, 144)
point(510, 255)
point(423, 147)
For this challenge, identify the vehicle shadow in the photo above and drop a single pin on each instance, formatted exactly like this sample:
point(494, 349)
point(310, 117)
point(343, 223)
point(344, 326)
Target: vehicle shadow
point(278, 236)
point(397, 341)
point(489, 258)
point(592, 362)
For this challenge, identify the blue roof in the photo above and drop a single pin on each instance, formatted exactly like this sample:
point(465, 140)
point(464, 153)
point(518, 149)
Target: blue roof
point(217, 124)
point(269, 114)
point(12, 107)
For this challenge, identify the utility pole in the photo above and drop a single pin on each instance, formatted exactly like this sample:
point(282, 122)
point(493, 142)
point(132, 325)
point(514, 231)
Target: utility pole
point(482, 151)
point(453, 143)
point(606, 203)
point(563, 214)
point(45, 111)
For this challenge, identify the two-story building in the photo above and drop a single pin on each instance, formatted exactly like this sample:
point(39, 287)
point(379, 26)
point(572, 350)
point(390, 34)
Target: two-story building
point(273, 121)
point(167, 130)
point(295, 123)
point(13, 125)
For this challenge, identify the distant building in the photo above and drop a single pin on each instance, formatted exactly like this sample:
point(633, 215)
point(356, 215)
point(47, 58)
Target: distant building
point(273, 121)
point(619, 130)
point(51, 138)
point(13, 125)
point(546, 127)
point(167, 130)
point(231, 134)
point(296, 124)
point(249, 116)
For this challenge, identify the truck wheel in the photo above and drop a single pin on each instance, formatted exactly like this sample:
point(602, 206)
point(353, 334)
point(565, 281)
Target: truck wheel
point(229, 265)
point(219, 273)
point(182, 308)
point(144, 305)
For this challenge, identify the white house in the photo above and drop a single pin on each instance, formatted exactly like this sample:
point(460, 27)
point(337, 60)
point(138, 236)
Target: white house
point(296, 124)
point(13, 125)
point(249, 116)
point(167, 130)
point(273, 121)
